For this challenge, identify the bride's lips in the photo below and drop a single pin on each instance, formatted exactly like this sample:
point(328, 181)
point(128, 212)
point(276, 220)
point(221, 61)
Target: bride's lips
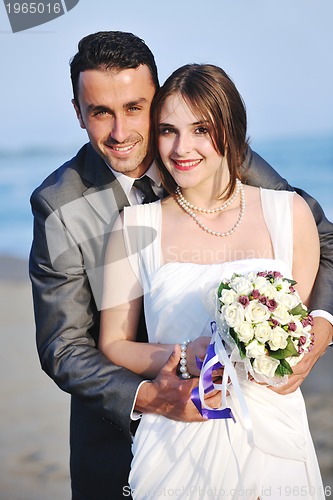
point(121, 151)
point(186, 164)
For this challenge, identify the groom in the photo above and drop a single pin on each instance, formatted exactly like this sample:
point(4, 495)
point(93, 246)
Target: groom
point(114, 78)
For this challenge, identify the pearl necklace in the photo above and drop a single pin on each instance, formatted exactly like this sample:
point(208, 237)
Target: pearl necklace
point(211, 210)
point(185, 205)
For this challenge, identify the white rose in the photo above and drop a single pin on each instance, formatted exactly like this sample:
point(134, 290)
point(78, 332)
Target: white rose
point(307, 329)
point(259, 281)
point(265, 365)
point(295, 342)
point(278, 339)
point(233, 314)
point(262, 332)
point(299, 327)
point(283, 284)
point(268, 290)
point(256, 312)
point(287, 299)
point(228, 296)
point(245, 332)
point(251, 276)
point(281, 315)
point(241, 285)
point(255, 349)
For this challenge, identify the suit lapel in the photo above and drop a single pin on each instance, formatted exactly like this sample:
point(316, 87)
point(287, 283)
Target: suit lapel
point(105, 195)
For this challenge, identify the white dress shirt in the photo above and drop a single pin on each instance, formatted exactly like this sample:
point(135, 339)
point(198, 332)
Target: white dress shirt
point(133, 194)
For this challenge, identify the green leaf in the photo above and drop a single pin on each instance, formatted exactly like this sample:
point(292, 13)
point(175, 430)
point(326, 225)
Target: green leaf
point(240, 345)
point(290, 350)
point(299, 311)
point(223, 286)
point(292, 282)
point(284, 368)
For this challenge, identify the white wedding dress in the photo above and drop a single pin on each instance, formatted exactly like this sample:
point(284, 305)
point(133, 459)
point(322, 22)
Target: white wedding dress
point(213, 460)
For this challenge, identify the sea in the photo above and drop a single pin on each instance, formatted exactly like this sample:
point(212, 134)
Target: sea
point(307, 162)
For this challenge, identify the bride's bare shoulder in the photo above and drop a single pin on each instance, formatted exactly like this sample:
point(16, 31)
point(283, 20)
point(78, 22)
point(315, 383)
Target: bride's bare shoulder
point(252, 194)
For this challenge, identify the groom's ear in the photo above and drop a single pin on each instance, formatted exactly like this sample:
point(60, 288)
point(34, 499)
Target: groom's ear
point(78, 113)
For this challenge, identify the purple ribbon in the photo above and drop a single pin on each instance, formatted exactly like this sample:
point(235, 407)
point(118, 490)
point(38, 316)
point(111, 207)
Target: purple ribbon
point(206, 381)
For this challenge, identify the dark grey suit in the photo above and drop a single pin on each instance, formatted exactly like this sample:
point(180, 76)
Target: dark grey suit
point(74, 210)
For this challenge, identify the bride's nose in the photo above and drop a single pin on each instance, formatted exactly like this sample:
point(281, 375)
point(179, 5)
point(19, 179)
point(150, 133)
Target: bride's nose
point(183, 144)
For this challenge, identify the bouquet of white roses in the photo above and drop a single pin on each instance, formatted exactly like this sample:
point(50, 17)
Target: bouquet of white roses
point(262, 320)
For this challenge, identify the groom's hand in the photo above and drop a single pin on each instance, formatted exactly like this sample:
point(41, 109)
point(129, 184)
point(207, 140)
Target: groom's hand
point(170, 396)
point(323, 336)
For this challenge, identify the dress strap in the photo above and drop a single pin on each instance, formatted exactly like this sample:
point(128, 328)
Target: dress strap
point(278, 214)
point(142, 229)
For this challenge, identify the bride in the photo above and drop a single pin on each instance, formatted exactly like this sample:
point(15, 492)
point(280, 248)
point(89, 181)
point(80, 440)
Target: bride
point(210, 226)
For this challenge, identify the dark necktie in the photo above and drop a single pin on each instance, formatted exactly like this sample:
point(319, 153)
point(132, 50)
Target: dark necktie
point(145, 187)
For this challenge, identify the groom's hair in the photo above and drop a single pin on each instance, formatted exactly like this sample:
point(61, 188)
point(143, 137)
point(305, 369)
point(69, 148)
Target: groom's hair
point(107, 50)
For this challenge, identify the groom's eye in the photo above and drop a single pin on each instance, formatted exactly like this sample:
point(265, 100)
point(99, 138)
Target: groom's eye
point(99, 111)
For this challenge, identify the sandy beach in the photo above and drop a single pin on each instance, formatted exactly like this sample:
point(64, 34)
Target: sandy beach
point(34, 450)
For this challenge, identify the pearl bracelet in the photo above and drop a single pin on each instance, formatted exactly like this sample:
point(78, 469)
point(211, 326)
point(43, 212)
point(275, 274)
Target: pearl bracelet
point(183, 360)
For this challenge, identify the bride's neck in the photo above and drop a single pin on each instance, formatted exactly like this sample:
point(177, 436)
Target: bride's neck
point(206, 195)
point(200, 197)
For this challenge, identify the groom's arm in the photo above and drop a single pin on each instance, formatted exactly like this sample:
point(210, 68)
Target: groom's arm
point(257, 172)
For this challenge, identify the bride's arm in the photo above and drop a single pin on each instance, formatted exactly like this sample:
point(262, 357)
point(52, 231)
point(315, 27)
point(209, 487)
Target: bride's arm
point(117, 341)
point(306, 249)
point(120, 314)
point(121, 309)
point(305, 268)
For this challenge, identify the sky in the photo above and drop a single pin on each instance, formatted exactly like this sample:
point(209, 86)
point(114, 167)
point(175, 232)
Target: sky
point(278, 53)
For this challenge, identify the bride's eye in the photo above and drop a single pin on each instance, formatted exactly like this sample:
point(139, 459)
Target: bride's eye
point(201, 130)
point(166, 130)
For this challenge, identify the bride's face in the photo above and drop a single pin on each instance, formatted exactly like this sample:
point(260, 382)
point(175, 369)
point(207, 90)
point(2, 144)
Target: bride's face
point(185, 145)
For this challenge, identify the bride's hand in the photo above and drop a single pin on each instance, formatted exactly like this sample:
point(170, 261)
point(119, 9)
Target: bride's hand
point(196, 348)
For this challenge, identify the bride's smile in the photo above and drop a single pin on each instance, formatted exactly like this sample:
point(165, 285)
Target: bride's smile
point(187, 150)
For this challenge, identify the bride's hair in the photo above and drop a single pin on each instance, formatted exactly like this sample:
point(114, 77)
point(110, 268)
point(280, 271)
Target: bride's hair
point(213, 98)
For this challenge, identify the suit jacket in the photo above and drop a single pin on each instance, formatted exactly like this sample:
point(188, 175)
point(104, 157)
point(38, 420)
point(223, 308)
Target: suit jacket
point(74, 210)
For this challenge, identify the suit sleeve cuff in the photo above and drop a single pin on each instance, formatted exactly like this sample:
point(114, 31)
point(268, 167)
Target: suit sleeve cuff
point(325, 315)
point(136, 415)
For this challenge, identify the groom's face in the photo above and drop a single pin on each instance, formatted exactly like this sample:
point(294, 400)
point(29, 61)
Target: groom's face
point(114, 108)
